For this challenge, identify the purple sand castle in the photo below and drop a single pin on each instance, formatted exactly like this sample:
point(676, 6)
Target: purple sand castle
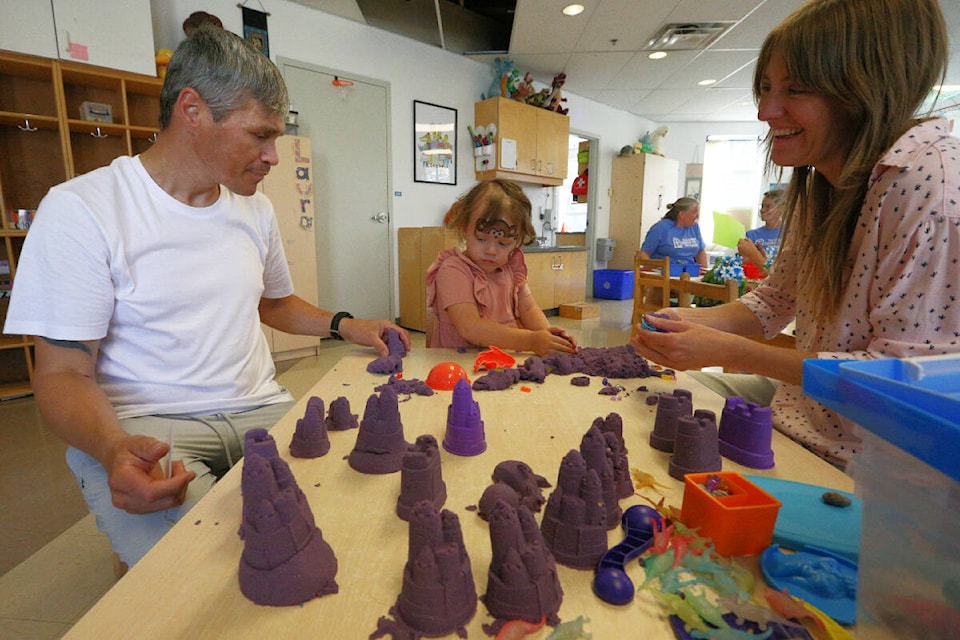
point(310, 440)
point(438, 595)
point(285, 559)
point(339, 417)
point(522, 582)
point(696, 448)
point(392, 363)
point(574, 521)
point(380, 446)
point(621, 467)
point(669, 408)
point(593, 448)
point(613, 423)
point(746, 433)
point(465, 435)
point(420, 477)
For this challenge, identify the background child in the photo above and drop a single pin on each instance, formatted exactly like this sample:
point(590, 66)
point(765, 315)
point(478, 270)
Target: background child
point(477, 294)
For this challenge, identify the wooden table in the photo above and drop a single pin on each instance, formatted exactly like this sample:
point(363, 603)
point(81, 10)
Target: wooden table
point(187, 586)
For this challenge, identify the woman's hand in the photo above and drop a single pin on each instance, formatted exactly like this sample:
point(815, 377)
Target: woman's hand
point(684, 345)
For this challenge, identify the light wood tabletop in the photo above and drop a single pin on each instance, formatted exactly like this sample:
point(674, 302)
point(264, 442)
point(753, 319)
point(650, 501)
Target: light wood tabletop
point(187, 586)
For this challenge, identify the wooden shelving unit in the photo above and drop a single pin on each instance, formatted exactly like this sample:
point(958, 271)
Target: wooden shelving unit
point(43, 142)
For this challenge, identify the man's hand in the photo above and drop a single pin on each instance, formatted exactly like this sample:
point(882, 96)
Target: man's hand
point(372, 333)
point(136, 479)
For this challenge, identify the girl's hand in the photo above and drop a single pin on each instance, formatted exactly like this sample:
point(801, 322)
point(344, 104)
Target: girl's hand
point(545, 341)
point(566, 336)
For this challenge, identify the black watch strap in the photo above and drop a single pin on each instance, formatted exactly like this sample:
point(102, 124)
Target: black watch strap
point(335, 324)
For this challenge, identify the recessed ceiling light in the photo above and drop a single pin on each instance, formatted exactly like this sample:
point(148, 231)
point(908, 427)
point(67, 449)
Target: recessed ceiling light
point(657, 55)
point(573, 10)
point(707, 83)
point(947, 87)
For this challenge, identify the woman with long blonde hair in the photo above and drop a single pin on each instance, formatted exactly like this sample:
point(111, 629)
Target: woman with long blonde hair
point(871, 247)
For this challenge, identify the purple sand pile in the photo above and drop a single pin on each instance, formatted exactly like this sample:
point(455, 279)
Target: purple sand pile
point(670, 407)
point(521, 478)
point(407, 387)
point(310, 440)
point(533, 369)
point(610, 362)
point(746, 433)
point(696, 448)
point(593, 448)
point(438, 596)
point(464, 435)
point(574, 521)
point(392, 363)
point(339, 417)
point(285, 559)
point(497, 380)
point(580, 381)
point(420, 477)
point(380, 446)
point(522, 582)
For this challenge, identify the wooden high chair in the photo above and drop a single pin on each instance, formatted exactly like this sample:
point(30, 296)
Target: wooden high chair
point(651, 286)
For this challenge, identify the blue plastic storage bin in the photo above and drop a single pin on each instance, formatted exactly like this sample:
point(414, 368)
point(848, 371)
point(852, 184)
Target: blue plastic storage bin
point(613, 284)
point(907, 475)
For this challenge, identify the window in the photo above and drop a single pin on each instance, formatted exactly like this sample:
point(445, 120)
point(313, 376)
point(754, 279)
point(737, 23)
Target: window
point(733, 170)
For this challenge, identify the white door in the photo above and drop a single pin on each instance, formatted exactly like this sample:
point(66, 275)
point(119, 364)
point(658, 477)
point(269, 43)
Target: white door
point(351, 181)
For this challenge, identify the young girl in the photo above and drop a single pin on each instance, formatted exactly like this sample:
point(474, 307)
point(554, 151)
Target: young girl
point(477, 293)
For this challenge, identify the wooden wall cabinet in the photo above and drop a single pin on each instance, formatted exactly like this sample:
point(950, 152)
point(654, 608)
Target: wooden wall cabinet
point(541, 137)
point(417, 248)
point(557, 278)
point(289, 185)
point(641, 187)
point(44, 141)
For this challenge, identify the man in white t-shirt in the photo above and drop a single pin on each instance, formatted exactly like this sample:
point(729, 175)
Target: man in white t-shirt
point(146, 282)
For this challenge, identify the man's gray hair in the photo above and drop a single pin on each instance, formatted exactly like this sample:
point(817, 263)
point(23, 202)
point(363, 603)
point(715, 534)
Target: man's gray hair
point(226, 71)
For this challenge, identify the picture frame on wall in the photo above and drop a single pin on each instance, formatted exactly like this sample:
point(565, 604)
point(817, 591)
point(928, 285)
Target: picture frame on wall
point(434, 143)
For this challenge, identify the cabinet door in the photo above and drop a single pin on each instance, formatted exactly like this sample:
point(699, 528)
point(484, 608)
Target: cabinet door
point(518, 122)
point(660, 178)
point(553, 141)
point(412, 305)
point(570, 284)
point(541, 277)
point(28, 28)
point(289, 185)
point(115, 33)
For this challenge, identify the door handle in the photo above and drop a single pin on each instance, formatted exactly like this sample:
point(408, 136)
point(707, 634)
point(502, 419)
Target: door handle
point(381, 217)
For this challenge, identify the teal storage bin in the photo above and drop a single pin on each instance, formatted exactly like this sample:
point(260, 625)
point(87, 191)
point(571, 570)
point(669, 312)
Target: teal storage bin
point(907, 476)
point(613, 284)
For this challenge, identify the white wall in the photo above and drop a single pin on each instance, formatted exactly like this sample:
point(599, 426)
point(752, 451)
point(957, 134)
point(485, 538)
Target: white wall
point(418, 71)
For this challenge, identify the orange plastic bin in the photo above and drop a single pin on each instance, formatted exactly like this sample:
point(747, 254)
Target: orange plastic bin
point(740, 524)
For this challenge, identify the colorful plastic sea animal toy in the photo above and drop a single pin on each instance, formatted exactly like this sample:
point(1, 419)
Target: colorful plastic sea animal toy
point(516, 629)
point(571, 630)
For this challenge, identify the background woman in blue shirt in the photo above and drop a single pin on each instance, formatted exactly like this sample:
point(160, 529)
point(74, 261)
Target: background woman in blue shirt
point(676, 235)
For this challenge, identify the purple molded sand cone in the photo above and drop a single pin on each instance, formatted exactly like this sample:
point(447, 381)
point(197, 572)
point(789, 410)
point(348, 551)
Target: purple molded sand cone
point(746, 433)
point(593, 448)
point(696, 449)
point(670, 407)
point(285, 559)
point(339, 417)
point(438, 595)
point(420, 477)
point(621, 467)
point(464, 435)
point(574, 521)
point(380, 445)
point(613, 423)
point(310, 440)
point(522, 582)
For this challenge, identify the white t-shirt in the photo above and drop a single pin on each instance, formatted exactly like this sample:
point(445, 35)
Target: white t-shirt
point(171, 290)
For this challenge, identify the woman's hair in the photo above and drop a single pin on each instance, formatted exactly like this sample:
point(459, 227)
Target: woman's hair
point(877, 60)
point(495, 200)
point(226, 70)
point(683, 204)
point(777, 195)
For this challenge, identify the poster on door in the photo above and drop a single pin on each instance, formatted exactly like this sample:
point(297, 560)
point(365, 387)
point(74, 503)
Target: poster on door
point(434, 143)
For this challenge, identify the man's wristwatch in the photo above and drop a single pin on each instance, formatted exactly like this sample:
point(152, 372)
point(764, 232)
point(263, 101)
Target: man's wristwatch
point(335, 324)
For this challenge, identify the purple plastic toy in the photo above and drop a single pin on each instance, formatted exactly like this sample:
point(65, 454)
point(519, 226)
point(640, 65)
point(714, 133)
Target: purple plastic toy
point(465, 435)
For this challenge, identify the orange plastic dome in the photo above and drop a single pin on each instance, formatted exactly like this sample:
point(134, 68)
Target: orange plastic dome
point(445, 375)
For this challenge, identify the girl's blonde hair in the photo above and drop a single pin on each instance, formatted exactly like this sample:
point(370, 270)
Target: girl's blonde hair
point(877, 60)
point(495, 200)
